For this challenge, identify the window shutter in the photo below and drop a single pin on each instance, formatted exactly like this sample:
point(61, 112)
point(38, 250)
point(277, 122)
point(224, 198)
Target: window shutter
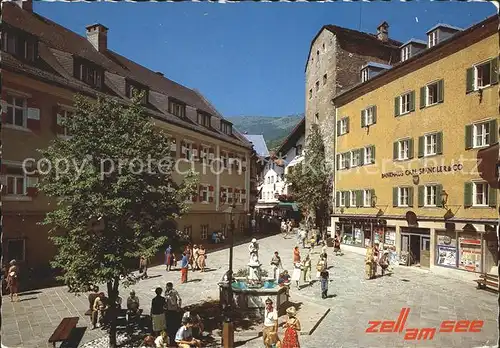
point(422, 97)
point(347, 159)
point(363, 119)
point(421, 195)
point(467, 194)
point(347, 196)
point(33, 118)
point(359, 198)
point(373, 153)
point(396, 107)
point(469, 80)
point(338, 198)
point(494, 71)
point(492, 197)
point(338, 128)
point(421, 142)
point(439, 143)
point(372, 194)
point(395, 150)
point(493, 132)
point(347, 124)
point(440, 88)
point(362, 156)
point(439, 194)
point(337, 162)
point(374, 114)
point(394, 196)
point(412, 101)
point(411, 151)
point(468, 137)
point(410, 196)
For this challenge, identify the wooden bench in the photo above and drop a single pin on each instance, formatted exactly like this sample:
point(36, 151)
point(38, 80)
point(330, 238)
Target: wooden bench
point(63, 332)
point(486, 280)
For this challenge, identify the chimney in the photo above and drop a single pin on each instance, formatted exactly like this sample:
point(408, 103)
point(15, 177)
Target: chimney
point(26, 5)
point(159, 73)
point(383, 32)
point(97, 34)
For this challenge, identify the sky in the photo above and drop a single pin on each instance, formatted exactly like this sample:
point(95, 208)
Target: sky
point(247, 58)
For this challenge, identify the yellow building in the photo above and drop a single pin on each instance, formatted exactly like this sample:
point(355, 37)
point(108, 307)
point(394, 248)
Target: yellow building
point(417, 147)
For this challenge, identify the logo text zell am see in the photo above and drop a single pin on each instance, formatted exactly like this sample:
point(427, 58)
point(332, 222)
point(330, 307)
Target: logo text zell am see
point(427, 333)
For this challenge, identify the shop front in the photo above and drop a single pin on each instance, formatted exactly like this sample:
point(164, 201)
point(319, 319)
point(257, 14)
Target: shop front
point(364, 232)
point(415, 246)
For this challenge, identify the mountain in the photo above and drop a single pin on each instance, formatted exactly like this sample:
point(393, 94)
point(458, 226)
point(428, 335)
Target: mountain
point(274, 129)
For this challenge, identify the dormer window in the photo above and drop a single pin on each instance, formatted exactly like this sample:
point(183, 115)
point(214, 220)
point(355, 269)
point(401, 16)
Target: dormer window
point(204, 119)
point(21, 45)
point(133, 88)
point(176, 108)
point(405, 53)
point(88, 73)
point(226, 127)
point(433, 39)
point(364, 75)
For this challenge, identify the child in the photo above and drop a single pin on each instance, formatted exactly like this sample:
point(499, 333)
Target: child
point(324, 283)
point(272, 340)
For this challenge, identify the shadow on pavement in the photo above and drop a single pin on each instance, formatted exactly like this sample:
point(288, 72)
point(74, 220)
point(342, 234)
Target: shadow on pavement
point(75, 338)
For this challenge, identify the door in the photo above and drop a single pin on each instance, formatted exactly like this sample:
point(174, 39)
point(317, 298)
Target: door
point(405, 245)
point(425, 252)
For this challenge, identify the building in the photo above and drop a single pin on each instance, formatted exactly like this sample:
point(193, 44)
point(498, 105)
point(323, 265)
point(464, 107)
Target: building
point(43, 66)
point(417, 146)
point(257, 164)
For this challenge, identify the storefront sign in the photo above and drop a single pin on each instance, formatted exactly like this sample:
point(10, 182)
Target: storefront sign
point(447, 256)
point(357, 221)
point(446, 240)
point(424, 170)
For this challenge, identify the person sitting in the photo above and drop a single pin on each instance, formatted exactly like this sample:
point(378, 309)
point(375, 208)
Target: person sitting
point(198, 326)
point(132, 306)
point(162, 341)
point(184, 336)
point(284, 279)
point(99, 309)
point(215, 238)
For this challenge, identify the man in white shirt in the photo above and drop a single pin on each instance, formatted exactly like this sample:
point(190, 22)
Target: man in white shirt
point(184, 336)
point(270, 319)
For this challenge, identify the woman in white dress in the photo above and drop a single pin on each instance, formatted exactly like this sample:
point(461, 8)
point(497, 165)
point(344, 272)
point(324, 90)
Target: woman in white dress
point(296, 273)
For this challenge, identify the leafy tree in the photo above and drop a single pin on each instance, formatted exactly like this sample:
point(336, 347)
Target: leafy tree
point(311, 180)
point(116, 170)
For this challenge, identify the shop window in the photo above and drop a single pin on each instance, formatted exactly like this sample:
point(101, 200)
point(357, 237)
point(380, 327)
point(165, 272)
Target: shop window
point(16, 249)
point(204, 232)
point(390, 236)
point(469, 254)
point(446, 249)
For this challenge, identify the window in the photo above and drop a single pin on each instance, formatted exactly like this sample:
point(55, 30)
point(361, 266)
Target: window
point(204, 193)
point(355, 157)
point(188, 231)
point(310, 93)
point(226, 127)
point(430, 195)
point(343, 126)
point(204, 119)
point(369, 155)
point(204, 232)
point(298, 150)
point(272, 179)
point(403, 149)
point(176, 108)
point(432, 94)
point(89, 74)
point(364, 75)
point(342, 198)
point(16, 111)
point(433, 39)
point(223, 195)
point(317, 86)
point(22, 46)
point(16, 185)
point(403, 196)
point(188, 150)
point(430, 144)
point(224, 157)
point(352, 198)
point(368, 116)
point(481, 134)
point(480, 194)
point(405, 103)
point(237, 196)
point(16, 249)
point(133, 89)
point(405, 53)
point(483, 75)
point(325, 77)
point(62, 120)
point(367, 198)
point(344, 160)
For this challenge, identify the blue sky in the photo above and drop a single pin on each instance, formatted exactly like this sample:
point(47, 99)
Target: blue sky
point(247, 58)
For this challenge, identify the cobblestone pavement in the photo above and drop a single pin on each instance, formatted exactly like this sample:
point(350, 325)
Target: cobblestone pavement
point(431, 299)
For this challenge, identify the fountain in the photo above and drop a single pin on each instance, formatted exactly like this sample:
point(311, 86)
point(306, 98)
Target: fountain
point(250, 290)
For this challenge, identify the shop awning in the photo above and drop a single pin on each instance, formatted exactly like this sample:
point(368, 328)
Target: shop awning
point(289, 205)
point(265, 205)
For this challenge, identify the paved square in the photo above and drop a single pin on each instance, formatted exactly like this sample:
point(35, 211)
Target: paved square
point(431, 299)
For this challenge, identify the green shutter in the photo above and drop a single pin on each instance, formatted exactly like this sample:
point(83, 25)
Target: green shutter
point(492, 197)
point(421, 195)
point(412, 101)
point(440, 91)
point(372, 194)
point(439, 143)
point(410, 196)
point(347, 124)
point(359, 198)
point(394, 196)
point(410, 148)
point(493, 132)
point(362, 118)
point(347, 198)
point(373, 153)
point(439, 195)
point(338, 128)
point(468, 194)
point(422, 97)
point(468, 137)
point(396, 107)
point(347, 159)
point(494, 71)
point(470, 80)
point(421, 143)
point(374, 114)
point(395, 150)
point(337, 162)
point(338, 198)
point(362, 156)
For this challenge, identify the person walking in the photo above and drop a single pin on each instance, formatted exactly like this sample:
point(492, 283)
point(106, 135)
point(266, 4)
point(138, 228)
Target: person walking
point(320, 266)
point(292, 330)
point(306, 269)
point(297, 270)
point(169, 258)
point(325, 277)
point(296, 254)
point(173, 305)
point(158, 307)
point(270, 320)
point(202, 257)
point(13, 281)
point(303, 237)
point(184, 268)
point(195, 257)
point(369, 261)
point(276, 266)
point(189, 253)
point(336, 245)
point(143, 267)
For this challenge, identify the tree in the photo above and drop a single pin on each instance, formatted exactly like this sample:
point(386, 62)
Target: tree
point(116, 170)
point(311, 180)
